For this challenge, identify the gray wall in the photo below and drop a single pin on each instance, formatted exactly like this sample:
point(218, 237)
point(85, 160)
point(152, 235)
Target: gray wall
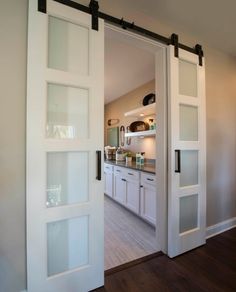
point(221, 135)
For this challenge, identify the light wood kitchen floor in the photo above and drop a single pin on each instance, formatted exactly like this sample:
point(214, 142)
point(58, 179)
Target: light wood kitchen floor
point(127, 237)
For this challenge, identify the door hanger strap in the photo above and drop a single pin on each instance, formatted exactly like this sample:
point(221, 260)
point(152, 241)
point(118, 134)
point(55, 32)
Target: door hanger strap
point(93, 5)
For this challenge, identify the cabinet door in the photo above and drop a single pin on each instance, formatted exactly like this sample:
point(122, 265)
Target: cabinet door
point(108, 183)
point(132, 195)
point(148, 203)
point(119, 189)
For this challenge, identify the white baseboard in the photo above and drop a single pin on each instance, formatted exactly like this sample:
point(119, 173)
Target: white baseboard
point(220, 227)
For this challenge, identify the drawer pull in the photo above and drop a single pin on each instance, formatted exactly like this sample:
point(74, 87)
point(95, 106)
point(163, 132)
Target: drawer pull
point(130, 173)
point(150, 179)
point(123, 179)
point(117, 170)
point(141, 186)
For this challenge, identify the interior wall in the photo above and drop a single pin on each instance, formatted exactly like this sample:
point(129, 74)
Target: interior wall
point(221, 136)
point(221, 121)
point(125, 103)
point(13, 32)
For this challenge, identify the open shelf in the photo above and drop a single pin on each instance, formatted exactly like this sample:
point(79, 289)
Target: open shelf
point(141, 133)
point(143, 111)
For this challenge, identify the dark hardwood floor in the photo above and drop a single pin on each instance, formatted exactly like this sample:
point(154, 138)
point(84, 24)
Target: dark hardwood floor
point(211, 267)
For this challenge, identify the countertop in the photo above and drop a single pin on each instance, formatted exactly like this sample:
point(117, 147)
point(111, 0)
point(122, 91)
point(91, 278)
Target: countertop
point(147, 167)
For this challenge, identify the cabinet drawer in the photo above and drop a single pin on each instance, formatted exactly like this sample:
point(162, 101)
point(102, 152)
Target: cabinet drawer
point(148, 178)
point(132, 174)
point(119, 170)
point(108, 167)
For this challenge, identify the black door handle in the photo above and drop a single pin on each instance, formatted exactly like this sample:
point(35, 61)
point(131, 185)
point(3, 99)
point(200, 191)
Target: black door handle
point(177, 161)
point(99, 165)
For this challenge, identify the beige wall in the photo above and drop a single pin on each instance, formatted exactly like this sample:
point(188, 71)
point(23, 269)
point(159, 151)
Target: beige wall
point(13, 28)
point(221, 134)
point(128, 102)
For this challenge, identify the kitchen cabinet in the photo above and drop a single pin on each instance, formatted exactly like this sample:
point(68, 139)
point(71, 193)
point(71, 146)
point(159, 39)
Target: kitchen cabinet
point(108, 180)
point(126, 188)
point(119, 185)
point(148, 198)
point(134, 189)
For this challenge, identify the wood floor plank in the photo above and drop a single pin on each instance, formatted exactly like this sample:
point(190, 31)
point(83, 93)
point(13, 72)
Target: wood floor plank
point(127, 237)
point(211, 267)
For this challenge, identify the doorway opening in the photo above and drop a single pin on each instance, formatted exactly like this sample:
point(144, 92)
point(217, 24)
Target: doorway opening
point(130, 130)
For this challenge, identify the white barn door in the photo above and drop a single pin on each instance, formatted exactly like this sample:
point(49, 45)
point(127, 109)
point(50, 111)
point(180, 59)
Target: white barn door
point(186, 153)
point(64, 136)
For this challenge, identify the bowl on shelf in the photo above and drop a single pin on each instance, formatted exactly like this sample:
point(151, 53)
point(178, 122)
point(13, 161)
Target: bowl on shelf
point(149, 98)
point(139, 126)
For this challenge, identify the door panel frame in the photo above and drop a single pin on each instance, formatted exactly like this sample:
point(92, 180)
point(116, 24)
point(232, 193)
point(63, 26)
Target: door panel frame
point(182, 242)
point(39, 75)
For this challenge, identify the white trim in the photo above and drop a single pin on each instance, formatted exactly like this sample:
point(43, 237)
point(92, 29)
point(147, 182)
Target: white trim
point(218, 228)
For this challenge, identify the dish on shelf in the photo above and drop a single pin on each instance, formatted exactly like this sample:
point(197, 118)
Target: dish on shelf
point(148, 99)
point(139, 126)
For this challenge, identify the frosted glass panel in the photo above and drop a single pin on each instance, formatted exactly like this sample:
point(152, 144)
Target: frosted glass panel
point(67, 178)
point(67, 112)
point(188, 123)
point(188, 213)
point(67, 244)
point(189, 168)
point(68, 46)
point(187, 78)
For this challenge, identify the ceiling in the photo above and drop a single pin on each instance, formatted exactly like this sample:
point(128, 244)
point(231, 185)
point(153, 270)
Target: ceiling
point(127, 66)
point(211, 21)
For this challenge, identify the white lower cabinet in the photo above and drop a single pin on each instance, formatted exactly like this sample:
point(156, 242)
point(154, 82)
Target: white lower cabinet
point(148, 197)
point(132, 193)
point(108, 180)
point(136, 190)
point(119, 188)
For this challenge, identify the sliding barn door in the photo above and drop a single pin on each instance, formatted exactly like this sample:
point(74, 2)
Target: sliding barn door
point(187, 153)
point(64, 136)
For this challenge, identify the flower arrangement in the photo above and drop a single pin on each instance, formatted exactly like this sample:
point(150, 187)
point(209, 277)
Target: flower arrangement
point(128, 157)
